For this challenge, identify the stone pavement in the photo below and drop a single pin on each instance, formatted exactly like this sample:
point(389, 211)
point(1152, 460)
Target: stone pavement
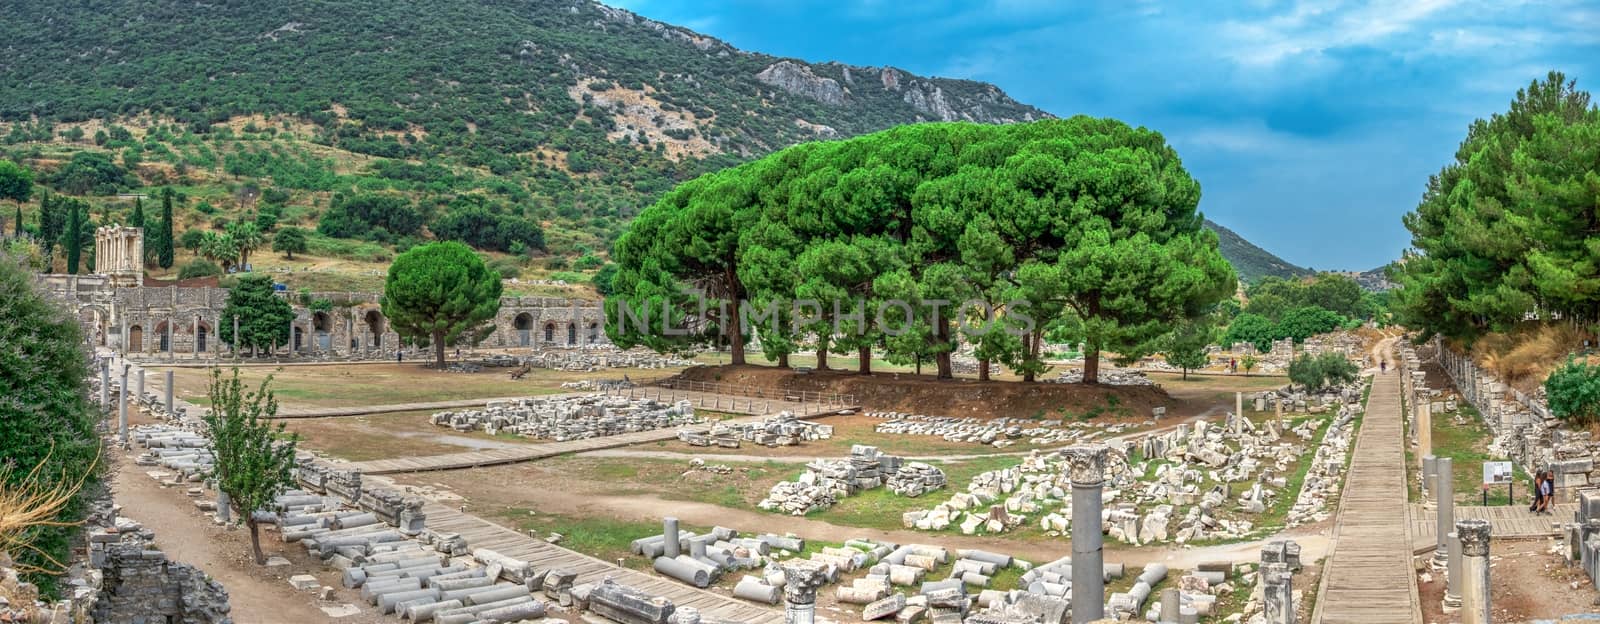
point(1368, 578)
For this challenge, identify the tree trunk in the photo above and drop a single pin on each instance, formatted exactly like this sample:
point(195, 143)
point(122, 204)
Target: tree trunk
point(1032, 343)
point(942, 358)
point(1186, 374)
point(864, 359)
point(822, 353)
point(735, 338)
point(919, 365)
point(438, 348)
point(783, 360)
point(1091, 362)
point(983, 370)
point(255, 538)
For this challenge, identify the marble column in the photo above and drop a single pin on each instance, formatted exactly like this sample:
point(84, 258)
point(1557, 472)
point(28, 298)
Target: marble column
point(105, 384)
point(1474, 536)
point(1445, 507)
point(1277, 593)
point(194, 344)
point(1086, 467)
point(802, 578)
point(169, 393)
point(235, 343)
point(122, 408)
point(224, 507)
point(1452, 592)
point(1238, 413)
point(671, 548)
point(138, 394)
point(1424, 428)
point(1430, 470)
point(1169, 605)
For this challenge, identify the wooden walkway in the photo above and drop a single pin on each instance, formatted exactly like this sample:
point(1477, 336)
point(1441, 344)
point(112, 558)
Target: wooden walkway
point(1505, 521)
point(530, 452)
point(481, 533)
point(1368, 577)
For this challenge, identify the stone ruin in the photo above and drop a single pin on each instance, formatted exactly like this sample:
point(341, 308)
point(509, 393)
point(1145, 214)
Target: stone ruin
point(570, 418)
point(996, 432)
point(781, 430)
point(825, 482)
point(1108, 376)
point(1207, 479)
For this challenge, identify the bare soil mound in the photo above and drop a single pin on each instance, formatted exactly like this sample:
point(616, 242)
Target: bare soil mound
point(903, 392)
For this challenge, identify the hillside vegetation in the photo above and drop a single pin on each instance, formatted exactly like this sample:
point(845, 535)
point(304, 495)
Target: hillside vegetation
point(471, 120)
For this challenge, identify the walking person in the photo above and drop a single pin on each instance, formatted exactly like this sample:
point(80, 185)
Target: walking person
point(1538, 492)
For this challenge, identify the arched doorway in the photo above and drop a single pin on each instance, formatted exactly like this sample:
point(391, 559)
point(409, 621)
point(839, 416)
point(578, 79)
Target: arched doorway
point(321, 331)
point(549, 332)
point(374, 321)
point(524, 326)
point(572, 333)
point(297, 339)
point(202, 332)
point(135, 339)
point(594, 332)
point(94, 320)
point(163, 337)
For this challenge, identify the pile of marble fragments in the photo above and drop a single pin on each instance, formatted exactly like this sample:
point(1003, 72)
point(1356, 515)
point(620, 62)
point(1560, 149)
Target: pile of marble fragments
point(996, 432)
point(1109, 377)
point(781, 430)
point(825, 482)
point(1192, 482)
point(570, 418)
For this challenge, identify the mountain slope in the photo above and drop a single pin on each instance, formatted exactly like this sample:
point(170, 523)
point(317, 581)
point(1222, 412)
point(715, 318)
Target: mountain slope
point(1252, 262)
point(565, 111)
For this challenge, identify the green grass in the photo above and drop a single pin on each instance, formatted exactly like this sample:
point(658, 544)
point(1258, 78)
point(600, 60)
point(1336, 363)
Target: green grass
point(1467, 447)
point(604, 538)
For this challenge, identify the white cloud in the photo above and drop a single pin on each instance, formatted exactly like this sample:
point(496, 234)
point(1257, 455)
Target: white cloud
point(1312, 27)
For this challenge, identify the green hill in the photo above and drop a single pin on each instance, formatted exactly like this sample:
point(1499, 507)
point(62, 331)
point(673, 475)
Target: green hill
point(1250, 261)
point(568, 113)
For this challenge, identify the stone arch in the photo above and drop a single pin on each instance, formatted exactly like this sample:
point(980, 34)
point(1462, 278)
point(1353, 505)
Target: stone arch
point(373, 319)
point(135, 342)
point(322, 330)
point(549, 332)
point(94, 320)
point(163, 337)
point(202, 336)
point(594, 332)
point(523, 324)
point(572, 334)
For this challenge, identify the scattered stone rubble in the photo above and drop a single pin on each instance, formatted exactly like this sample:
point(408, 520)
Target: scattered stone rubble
point(570, 418)
point(996, 432)
point(1193, 482)
point(825, 482)
point(1108, 376)
point(781, 430)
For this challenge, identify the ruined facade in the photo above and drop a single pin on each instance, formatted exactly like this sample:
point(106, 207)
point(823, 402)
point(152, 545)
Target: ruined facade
point(118, 311)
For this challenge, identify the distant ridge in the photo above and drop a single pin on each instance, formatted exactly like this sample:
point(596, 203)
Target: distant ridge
point(1251, 261)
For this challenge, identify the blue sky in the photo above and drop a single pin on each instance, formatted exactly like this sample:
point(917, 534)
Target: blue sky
point(1312, 126)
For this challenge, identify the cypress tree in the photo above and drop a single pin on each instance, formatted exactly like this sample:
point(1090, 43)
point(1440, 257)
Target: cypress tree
point(138, 213)
point(74, 236)
point(18, 232)
point(164, 233)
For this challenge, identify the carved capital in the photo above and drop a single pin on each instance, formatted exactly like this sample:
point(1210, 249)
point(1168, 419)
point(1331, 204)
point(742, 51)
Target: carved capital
point(1086, 465)
point(1474, 535)
point(802, 578)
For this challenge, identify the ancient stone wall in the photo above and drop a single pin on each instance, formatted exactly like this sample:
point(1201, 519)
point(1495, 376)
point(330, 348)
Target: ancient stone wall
point(141, 585)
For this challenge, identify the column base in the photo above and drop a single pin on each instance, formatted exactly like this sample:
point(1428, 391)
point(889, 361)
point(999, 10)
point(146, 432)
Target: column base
point(1440, 560)
point(1451, 604)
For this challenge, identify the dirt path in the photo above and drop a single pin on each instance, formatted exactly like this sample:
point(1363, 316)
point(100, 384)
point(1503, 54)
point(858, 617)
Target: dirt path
point(259, 595)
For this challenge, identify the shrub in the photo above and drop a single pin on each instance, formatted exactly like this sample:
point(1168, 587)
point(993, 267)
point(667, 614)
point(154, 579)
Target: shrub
point(587, 261)
point(556, 263)
point(199, 267)
point(1322, 371)
point(1574, 392)
point(508, 268)
point(1307, 321)
point(359, 215)
point(475, 225)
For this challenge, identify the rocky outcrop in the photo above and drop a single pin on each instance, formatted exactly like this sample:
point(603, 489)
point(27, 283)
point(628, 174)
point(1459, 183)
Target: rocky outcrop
point(800, 80)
